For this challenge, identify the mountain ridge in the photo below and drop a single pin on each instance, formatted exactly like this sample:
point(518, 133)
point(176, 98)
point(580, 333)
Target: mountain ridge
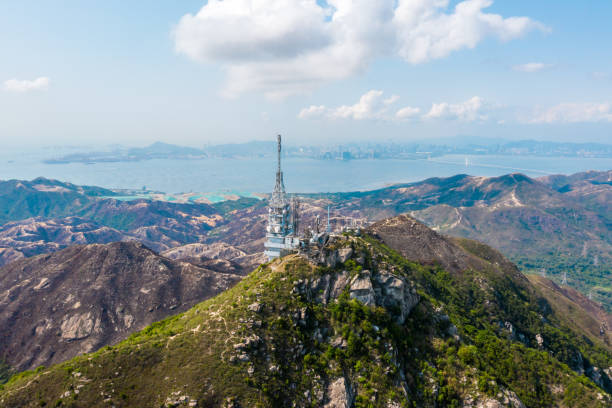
point(352, 324)
point(59, 305)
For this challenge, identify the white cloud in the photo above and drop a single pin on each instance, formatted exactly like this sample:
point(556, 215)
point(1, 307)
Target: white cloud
point(575, 113)
point(407, 112)
point(24, 85)
point(371, 105)
point(283, 47)
point(531, 67)
point(425, 31)
point(312, 112)
point(468, 111)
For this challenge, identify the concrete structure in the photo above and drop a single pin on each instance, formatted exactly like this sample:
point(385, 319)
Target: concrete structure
point(283, 218)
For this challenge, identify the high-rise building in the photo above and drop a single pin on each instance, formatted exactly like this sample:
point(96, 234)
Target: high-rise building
point(281, 232)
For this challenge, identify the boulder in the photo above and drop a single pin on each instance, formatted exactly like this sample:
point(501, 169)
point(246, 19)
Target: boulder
point(344, 254)
point(339, 394)
point(362, 289)
point(396, 292)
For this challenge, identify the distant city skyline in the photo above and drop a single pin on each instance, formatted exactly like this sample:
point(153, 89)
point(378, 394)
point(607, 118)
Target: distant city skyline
point(198, 72)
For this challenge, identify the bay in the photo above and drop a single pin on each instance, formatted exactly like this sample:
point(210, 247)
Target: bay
point(248, 176)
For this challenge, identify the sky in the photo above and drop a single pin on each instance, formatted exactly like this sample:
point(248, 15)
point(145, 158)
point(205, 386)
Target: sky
point(193, 72)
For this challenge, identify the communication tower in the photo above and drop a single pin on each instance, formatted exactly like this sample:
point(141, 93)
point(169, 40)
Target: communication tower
point(281, 232)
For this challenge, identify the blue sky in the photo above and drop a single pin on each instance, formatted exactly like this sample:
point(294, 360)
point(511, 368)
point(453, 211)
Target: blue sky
point(91, 73)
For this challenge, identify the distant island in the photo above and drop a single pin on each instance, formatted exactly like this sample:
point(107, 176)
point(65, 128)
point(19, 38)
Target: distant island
point(350, 151)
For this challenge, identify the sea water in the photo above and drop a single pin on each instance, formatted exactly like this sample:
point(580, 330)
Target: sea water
point(248, 176)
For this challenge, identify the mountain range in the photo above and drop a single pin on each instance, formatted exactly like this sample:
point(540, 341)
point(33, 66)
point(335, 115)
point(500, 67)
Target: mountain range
point(396, 315)
point(552, 226)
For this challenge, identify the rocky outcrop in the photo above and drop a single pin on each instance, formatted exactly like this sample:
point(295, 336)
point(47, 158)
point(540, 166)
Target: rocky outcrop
point(56, 306)
point(391, 291)
point(339, 394)
point(396, 293)
point(503, 399)
point(361, 288)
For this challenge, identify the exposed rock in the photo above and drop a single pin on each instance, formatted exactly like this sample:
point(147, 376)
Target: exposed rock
point(510, 329)
point(344, 254)
point(255, 307)
point(77, 326)
point(87, 296)
point(385, 289)
point(539, 340)
point(397, 292)
point(504, 399)
point(339, 394)
point(362, 289)
point(321, 288)
point(339, 342)
point(342, 280)
point(251, 342)
point(176, 399)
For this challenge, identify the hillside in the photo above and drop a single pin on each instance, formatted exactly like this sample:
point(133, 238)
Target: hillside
point(358, 323)
point(42, 216)
point(56, 306)
point(42, 197)
point(552, 225)
point(583, 314)
point(562, 224)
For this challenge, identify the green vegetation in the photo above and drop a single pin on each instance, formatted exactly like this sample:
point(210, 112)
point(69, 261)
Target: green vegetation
point(227, 206)
point(582, 274)
point(264, 343)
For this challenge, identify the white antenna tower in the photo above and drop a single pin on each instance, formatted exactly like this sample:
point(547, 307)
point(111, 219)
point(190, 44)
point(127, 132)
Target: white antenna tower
point(564, 281)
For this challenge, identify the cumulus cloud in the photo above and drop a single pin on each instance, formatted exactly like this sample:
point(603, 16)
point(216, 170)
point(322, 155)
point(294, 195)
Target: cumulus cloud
point(283, 47)
point(24, 85)
point(407, 112)
point(531, 67)
point(371, 105)
point(468, 111)
point(575, 113)
point(312, 112)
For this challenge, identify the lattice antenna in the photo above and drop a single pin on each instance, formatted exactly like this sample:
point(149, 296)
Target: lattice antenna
point(278, 196)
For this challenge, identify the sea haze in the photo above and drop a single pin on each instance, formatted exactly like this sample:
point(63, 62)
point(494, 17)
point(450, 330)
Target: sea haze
point(256, 175)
